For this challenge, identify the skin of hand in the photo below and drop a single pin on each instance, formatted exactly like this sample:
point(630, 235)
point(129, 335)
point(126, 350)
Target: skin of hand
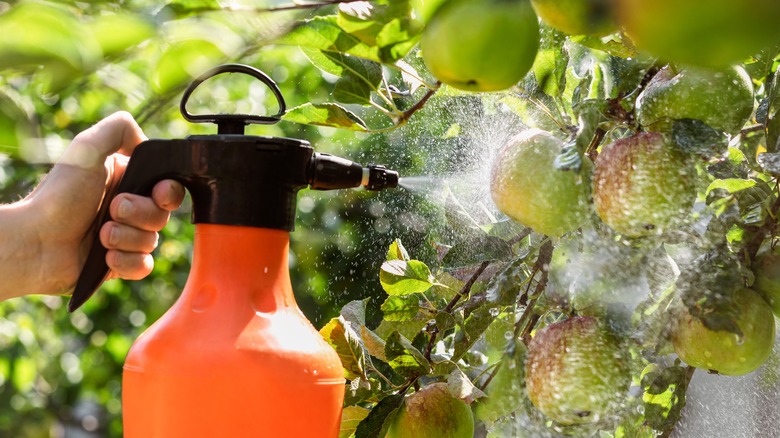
point(45, 238)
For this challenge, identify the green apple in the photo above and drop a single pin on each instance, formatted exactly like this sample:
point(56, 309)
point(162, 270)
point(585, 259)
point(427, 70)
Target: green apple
point(577, 17)
point(576, 371)
point(722, 99)
point(526, 186)
point(766, 270)
point(707, 33)
point(481, 45)
point(432, 412)
point(723, 351)
point(643, 185)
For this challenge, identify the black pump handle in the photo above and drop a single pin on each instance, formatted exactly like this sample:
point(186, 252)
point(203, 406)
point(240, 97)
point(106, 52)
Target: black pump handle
point(233, 123)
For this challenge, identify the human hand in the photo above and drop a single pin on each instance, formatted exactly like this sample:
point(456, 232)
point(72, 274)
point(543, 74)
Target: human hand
point(56, 218)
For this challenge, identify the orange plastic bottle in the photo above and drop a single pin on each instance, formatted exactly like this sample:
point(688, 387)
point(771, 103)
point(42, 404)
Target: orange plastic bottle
point(234, 357)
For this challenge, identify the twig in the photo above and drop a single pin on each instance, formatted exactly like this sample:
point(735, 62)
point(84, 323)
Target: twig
point(406, 115)
point(464, 291)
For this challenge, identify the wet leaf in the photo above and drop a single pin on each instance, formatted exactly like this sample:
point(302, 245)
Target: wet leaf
point(375, 346)
point(664, 396)
point(379, 419)
point(696, 137)
point(504, 288)
point(770, 163)
point(404, 358)
point(351, 416)
point(341, 335)
point(471, 330)
point(399, 277)
point(400, 308)
point(397, 251)
point(325, 114)
point(460, 386)
point(614, 45)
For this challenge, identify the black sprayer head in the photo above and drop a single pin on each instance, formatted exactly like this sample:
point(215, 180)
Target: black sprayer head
point(329, 172)
point(234, 179)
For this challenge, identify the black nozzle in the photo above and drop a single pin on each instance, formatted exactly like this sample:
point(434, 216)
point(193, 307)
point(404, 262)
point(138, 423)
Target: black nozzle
point(329, 172)
point(380, 177)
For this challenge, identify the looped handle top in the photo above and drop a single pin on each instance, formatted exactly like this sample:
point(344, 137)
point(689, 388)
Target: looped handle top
point(233, 123)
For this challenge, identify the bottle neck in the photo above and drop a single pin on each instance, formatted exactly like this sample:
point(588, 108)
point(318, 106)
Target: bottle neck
point(234, 266)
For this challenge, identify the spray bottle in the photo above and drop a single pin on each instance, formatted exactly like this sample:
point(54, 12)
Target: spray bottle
point(234, 356)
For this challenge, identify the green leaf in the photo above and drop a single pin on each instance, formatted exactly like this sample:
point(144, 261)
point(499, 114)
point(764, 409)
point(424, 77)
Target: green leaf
point(135, 30)
point(664, 396)
point(404, 358)
point(350, 89)
point(399, 277)
point(460, 386)
point(613, 45)
point(182, 61)
point(379, 419)
point(695, 136)
point(184, 8)
point(400, 308)
point(351, 416)
point(355, 312)
point(359, 390)
point(386, 24)
point(397, 251)
point(342, 65)
point(770, 163)
point(550, 65)
point(324, 33)
point(471, 330)
point(341, 335)
point(731, 185)
point(325, 114)
point(375, 346)
point(504, 288)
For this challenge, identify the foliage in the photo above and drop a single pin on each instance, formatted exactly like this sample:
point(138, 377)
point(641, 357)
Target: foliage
point(461, 290)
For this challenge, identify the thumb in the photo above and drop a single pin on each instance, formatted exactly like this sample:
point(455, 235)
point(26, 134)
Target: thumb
point(89, 149)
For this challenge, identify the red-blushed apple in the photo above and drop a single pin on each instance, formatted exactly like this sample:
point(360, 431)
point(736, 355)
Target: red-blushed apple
point(577, 371)
point(643, 185)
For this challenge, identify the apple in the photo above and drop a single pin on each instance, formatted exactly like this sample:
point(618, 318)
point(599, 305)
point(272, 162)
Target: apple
point(722, 99)
point(766, 270)
point(707, 33)
point(723, 351)
point(481, 45)
point(432, 412)
point(526, 186)
point(643, 185)
point(577, 17)
point(576, 371)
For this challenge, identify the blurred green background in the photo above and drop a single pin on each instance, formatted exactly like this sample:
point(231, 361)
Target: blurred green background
point(65, 65)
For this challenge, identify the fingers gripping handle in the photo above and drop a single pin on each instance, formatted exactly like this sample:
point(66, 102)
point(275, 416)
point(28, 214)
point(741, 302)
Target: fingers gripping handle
point(146, 167)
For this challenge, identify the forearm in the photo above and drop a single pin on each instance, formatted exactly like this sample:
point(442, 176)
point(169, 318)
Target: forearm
point(19, 251)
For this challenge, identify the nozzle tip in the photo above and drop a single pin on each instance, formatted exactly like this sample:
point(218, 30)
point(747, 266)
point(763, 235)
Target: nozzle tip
point(380, 177)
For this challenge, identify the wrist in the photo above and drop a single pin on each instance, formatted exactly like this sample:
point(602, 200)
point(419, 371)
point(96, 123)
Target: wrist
point(20, 252)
